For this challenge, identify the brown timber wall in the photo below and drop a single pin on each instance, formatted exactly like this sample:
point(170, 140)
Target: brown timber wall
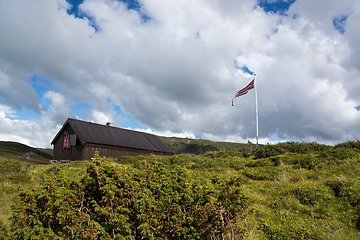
point(72, 153)
point(115, 152)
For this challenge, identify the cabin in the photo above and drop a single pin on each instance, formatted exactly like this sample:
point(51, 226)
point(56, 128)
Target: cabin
point(78, 140)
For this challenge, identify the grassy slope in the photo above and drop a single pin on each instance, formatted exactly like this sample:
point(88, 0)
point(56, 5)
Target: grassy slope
point(200, 146)
point(46, 150)
point(16, 176)
point(18, 170)
point(309, 195)
point(16, 151)
point(297, 191)
point(294, 202)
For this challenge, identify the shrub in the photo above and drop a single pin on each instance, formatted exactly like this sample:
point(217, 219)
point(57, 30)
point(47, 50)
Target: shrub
point(349, 145)
point(14, 171)
point(9, 167)
point(306, 196)
point(338, 186)
point(237, 165)
point(349, 191)
point(306, 161)
point(148, 202)
point(259, 163)
point(262, 173)
point(291, 147)
point(268, 151)
point(284, 225)
point(337, 154)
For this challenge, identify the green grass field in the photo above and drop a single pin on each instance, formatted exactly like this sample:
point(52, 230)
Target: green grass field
point(293, 190)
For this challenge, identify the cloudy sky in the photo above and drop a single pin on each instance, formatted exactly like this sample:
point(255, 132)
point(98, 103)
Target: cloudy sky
point(172, 68)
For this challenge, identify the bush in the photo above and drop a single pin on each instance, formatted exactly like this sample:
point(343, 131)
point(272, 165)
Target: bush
point(268, 151)
point(262, 173)
point(306, 162)
point(285, 225)
point(9, 167)
point(259, 163)
point(14, 171)
point(349, 191)
point(307, 196)
point(349, 145)
point(337, 154)
point(149, 202)
point(291, 147)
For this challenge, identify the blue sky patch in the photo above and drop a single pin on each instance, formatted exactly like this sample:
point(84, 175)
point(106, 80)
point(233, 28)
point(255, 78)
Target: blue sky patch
point(131, 4)
point(24, 114)
point(81, 110)
point(130, 121)
point(339, 23)
point(277, 6)
point(41, 85)
point(357, 108)
point(135, 5)
point(75, 10)
point(244, 68)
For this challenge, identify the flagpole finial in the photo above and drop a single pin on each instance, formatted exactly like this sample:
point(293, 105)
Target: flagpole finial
point(254, 74)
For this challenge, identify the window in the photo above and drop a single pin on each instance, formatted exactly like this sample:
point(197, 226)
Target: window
point(66, 140)
point(73, 140)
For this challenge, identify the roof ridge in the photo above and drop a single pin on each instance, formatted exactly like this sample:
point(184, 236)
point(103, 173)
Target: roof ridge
point(96, 133)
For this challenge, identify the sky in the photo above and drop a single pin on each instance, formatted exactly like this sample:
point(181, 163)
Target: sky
point(171, 68)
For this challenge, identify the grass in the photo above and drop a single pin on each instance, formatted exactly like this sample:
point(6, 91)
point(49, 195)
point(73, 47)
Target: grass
point(311, 193)
point(295, 190)
point(200, 146)
point(20, 176)
point(302, 203)
point(19, 169)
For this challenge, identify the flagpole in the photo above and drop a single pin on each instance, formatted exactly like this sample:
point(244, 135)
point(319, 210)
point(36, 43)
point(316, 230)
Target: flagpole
point(257, 113)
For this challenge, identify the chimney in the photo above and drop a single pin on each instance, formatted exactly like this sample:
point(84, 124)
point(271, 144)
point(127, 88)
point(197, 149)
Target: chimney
point(110, 124)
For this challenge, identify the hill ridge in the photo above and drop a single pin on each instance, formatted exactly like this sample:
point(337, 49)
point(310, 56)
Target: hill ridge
point(10, 150)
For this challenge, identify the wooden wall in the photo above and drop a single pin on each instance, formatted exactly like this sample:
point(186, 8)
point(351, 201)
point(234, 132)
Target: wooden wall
point(115, 152)
point(86, 152)
point(72, 153)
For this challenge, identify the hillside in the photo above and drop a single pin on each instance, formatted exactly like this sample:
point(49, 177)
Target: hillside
point(201, 146)
point(284, 191)
point(23, 153)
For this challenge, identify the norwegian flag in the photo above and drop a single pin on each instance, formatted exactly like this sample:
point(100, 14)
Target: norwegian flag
point(243, 91)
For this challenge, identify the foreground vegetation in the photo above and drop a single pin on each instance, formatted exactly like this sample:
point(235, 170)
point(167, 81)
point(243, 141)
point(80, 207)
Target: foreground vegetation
point(284, 191)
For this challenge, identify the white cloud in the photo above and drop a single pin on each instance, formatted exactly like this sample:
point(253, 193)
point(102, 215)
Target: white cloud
point(59, 109)
point(100, 117)
point(35, 133)
point(176, 74)
point(166, 133)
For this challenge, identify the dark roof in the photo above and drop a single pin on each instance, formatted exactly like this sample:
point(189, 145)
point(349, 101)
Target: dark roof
point(88, 132)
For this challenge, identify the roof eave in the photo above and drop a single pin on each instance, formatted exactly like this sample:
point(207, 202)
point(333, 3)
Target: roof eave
point(68, 121)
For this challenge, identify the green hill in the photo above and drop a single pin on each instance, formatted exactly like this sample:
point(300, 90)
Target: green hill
point(201, 146)
point(23, 153)
point(289, 190)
